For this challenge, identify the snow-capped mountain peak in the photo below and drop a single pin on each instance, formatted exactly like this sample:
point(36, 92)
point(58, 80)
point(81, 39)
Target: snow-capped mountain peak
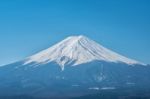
point(77, 50)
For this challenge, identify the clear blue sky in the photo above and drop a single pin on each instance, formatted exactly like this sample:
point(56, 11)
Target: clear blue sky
point(28, 26)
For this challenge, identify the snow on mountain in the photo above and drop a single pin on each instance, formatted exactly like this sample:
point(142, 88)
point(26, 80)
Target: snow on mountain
point(77, 50)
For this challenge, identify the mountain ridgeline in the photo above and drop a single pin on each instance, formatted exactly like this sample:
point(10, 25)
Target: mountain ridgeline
point(75, 68)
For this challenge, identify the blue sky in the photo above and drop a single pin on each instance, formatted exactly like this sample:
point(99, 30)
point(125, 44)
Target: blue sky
point(29, 26)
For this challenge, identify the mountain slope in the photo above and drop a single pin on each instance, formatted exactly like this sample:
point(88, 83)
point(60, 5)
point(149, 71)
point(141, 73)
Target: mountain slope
point(77, 50)
point(75, 67)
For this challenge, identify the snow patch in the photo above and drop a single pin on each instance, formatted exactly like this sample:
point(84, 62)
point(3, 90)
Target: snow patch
point(108, 88)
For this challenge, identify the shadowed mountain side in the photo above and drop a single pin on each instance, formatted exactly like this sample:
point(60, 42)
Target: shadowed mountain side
point(49, 80)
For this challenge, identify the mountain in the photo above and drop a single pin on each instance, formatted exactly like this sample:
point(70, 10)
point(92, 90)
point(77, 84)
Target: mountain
point(77, 50)
point(75, 67)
